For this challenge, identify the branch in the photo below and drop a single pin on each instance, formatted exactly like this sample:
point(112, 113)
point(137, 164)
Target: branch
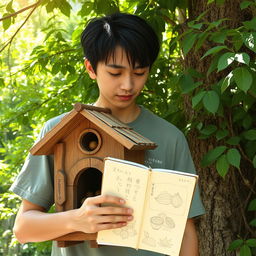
point(169, 20)
point(17, 31)
point(20, 11)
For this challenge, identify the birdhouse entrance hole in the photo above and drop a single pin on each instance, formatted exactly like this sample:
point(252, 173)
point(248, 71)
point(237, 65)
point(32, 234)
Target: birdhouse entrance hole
point(88, 185)
point(90, 141)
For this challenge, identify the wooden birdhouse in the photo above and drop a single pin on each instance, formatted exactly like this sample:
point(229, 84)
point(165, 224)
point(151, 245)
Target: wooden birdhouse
point(79, 143)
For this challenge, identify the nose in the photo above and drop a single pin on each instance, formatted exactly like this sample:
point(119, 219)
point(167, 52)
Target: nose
point(127, 83)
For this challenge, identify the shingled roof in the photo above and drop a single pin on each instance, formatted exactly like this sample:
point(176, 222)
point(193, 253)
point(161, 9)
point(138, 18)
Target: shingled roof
point(101, 117)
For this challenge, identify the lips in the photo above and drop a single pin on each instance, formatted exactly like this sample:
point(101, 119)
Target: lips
point(125, 97)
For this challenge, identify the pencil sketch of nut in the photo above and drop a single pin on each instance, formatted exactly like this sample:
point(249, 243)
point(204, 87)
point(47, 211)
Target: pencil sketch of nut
point(126, 232)
point(177, 200)
point(164, 198)
point(169, 223)
point(156, 222)
point(165, 242)
point(148, 240)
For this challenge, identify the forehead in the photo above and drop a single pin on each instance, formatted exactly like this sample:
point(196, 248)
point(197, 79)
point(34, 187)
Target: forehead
point(120, 57)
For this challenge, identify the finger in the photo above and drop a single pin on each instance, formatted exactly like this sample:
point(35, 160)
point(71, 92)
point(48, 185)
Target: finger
point(104, 199)
point(112, 219)
point(108, 210)
point(111, 225)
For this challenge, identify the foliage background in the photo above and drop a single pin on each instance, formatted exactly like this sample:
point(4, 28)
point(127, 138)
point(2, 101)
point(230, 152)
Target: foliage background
point(42, 75)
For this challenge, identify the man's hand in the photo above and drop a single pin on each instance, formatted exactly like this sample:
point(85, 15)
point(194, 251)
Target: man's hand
point(91, 217)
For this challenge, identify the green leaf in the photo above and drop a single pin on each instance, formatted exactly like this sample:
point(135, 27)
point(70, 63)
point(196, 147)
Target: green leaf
point(250, 24)
point(220, 2)
point(242, 58)
point(227, 81)
point(245, 4)
point(233, 141)
point(235, 244)
point(234, 157)
point(245, 250)
point(213, 65)
point(193, 25)
point(187, 84)
point(250, 134)
point(6, 23)
point(251, 242)
point(9, 7)
point(209, 129)
point(212, 155)
point(219, 37)
point(197, 98)
point(211, 101)
point(252, 205)
point(249, 40)
point(225, 60)
point(221, 134)
point(188, 42)
point(253, 223)
point(243, 78)
point(222, 165)
point(65, 7)
point(254, 161)
point(214, 50)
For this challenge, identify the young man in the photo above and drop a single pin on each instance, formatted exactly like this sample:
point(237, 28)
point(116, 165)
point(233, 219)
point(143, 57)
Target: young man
point(119, 52)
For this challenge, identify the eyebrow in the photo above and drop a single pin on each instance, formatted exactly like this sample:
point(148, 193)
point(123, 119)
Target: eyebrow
point(120, 66)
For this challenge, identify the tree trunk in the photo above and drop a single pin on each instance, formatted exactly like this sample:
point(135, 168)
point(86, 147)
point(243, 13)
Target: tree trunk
point(221, 197)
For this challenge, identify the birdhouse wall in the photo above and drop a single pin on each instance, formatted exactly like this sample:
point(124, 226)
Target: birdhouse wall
point(73, 151)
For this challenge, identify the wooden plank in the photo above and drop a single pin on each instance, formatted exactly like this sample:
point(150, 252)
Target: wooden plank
point(110, 131)
point(76, 236)
point(121, 124)
point(140, 137)
point(129, 135)
point(59, 176)
point(46, 145)
point(79, 107)
point(109, 120)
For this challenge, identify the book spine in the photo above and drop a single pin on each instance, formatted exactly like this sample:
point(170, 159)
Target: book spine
point(144, 208)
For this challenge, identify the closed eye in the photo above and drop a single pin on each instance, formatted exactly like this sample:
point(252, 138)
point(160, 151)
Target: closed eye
point(139, 74)
point(114, 74)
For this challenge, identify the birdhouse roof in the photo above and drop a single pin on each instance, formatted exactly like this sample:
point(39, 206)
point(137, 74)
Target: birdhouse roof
point(102, 118)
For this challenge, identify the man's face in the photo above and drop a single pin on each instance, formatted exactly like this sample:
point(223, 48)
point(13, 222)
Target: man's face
point(119, 83)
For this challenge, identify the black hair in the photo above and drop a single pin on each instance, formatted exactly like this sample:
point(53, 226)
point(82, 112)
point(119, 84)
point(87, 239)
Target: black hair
point(132, 33)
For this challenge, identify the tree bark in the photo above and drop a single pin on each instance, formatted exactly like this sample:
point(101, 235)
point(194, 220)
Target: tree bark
point(222, 198)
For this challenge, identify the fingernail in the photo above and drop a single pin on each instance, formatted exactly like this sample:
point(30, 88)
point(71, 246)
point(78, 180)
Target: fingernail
point(130, 217)
point(122, 201)
point(129, 210)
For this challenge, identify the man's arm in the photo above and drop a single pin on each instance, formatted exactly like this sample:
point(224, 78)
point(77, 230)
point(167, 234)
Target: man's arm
point(33, 224)
point(189, 246)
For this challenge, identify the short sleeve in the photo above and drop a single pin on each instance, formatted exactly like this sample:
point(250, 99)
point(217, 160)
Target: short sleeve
point(184, 162)
point(35, 180)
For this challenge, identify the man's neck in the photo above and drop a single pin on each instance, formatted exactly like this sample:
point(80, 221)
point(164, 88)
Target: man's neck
point(125, 115)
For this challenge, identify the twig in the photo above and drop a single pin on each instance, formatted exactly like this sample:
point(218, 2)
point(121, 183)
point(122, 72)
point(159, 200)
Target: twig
point(241, 206)
point(17, 31)
point(35, 106)
point(56, 53)
point(20, 11)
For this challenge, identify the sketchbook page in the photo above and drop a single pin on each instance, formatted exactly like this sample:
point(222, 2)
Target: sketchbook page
point(129, 182)
point(166, 212)
point(174, 171)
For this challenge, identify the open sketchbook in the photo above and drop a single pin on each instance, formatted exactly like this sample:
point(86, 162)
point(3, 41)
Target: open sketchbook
point(160, 199)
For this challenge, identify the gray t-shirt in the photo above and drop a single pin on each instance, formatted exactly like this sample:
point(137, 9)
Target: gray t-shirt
point(35, 181)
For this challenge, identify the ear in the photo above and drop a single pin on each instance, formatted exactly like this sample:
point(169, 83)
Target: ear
point(90, 69)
